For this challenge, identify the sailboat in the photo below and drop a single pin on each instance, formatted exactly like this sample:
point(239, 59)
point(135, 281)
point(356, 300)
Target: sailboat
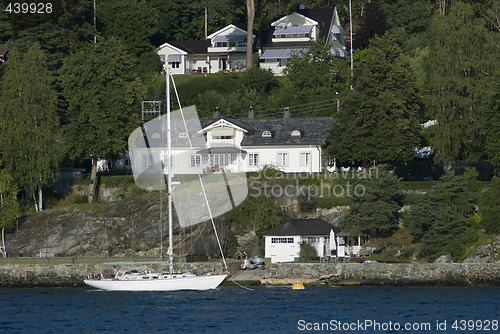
point(193, 205)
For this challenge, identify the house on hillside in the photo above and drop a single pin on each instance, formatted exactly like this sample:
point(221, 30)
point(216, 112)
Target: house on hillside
point(293, 145)
point(282, 243)
point(295, 32)
point(224, 50)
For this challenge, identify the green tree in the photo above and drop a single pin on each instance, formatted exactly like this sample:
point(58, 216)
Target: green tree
point(374, 23)
point(134, 22)
point(9, 206)
point(103, 94)
point(492, 127)
point(489, 207)
point(376, 202)
point(315, 73)
point(378, 118)
point(462, 63)
point(443, 216)
point(30, 140)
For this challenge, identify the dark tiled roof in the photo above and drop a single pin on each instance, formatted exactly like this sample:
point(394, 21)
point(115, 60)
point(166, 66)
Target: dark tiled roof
point(322, 16)
point(303, 227)
point(313, 130)
point(192, 47)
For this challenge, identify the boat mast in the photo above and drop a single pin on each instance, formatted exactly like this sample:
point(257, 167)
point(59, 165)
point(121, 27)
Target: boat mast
point(169, 177)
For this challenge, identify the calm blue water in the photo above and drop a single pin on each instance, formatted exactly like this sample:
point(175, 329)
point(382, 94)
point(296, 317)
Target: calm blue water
point(264, 310)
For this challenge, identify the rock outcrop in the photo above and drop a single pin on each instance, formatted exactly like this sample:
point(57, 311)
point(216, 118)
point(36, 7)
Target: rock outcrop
point(489, 253)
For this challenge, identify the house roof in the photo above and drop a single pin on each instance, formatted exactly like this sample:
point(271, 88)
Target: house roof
point(312, 130)
point(303, 227)
point(323, 16)
point(192, 47)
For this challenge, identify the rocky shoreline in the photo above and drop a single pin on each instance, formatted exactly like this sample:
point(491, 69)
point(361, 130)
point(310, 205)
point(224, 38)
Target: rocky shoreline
point(397, 274)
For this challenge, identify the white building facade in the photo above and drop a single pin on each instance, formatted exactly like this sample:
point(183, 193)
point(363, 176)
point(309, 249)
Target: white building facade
point(224, 50)
point(292, 145)
point(282, 243)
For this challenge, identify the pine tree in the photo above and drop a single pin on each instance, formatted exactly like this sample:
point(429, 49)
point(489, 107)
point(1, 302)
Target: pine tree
point(30, 140)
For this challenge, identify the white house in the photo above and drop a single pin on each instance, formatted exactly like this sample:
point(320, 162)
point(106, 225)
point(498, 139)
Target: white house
point(292, 145)
point(224, 50)
point(282, 243)
point(295, 32)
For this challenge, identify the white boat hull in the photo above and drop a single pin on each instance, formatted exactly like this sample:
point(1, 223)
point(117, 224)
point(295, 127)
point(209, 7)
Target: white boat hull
point(161, 284)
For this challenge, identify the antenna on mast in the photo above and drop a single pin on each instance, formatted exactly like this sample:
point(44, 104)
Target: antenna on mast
point(95, 23)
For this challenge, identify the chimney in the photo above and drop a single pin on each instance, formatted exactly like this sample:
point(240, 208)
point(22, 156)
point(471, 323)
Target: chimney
point(251, 113)
point(216, 113)
point(287, 113)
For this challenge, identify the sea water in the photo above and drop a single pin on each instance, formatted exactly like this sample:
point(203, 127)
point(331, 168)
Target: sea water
point(231, 309)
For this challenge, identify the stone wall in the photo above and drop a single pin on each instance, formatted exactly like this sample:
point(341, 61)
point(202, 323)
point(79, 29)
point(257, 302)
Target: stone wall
point(284, 273)
point(387, 273)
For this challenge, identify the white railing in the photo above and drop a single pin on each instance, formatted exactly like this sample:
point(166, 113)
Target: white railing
point(221, 143)
point(227, 49)
point(273, 66)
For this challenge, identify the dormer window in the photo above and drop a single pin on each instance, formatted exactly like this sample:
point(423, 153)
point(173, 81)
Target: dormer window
point(266, 134)
point(296, 134)
point(156, 135)
point(223, 133)
point(183, 135)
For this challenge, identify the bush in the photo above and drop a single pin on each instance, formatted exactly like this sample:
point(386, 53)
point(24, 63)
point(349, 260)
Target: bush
point(307, 252)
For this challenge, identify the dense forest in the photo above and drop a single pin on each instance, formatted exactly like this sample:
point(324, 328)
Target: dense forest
point(71, 87)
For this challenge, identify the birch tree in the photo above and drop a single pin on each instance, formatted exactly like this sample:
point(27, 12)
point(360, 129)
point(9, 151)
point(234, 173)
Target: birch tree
point(9, 206)
point(30, 140)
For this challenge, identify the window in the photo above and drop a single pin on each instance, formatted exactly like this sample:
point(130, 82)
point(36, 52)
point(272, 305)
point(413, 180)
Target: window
point(305, 159)
point(253, 159)
point(266, 134)
point(195, 160)
point(222, 137)
point(282, 159)
point(281, 240)
point(164, 161)
point(147, 161)
point(175, 65)
point(296, 134)
point(311, 240)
